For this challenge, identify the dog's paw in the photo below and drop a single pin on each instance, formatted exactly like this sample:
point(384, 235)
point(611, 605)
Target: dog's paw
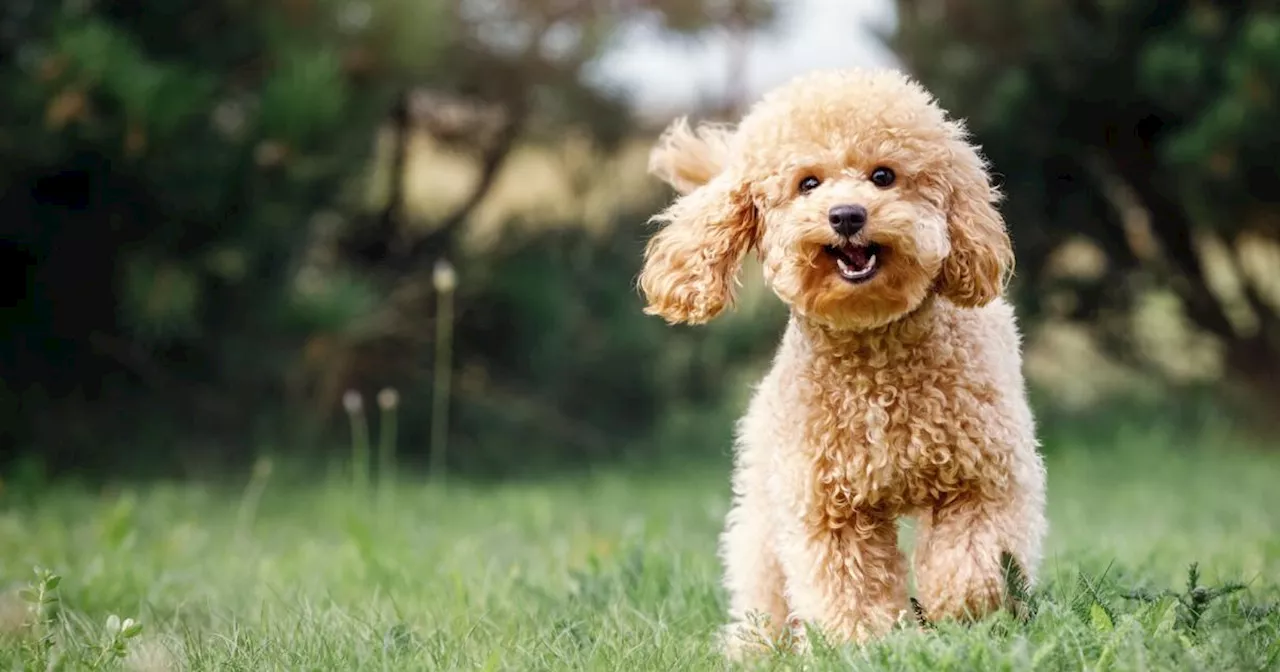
point(798, 639)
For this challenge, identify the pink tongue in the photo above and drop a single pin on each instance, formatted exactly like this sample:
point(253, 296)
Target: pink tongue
point(856, 255)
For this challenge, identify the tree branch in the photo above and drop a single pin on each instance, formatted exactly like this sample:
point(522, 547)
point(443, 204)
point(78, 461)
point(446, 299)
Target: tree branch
point(1254, 359)
point(491, 162)
point(389, 224)
point(440, 240)
point(1268, 316)
point(1171, 226)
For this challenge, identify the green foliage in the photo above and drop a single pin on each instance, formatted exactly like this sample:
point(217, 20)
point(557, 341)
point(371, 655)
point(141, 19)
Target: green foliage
point(1020, 601)
point(171, 171)
point(1192, 602)
point(615, 570)
point(1090, 603)
point(42, 600)
point(1140, 127)
point(304, 99)
point(116, 637)
point(333, 303)
point(50, 641)
point(555, 353)
point(162, 162)
point(160, 97)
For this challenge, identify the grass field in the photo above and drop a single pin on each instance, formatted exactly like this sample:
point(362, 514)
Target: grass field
point(611, 571)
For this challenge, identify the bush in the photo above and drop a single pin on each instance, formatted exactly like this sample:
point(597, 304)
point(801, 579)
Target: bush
point(160, 165)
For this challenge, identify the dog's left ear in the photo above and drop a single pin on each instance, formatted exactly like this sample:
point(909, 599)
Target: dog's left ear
point(981, 257)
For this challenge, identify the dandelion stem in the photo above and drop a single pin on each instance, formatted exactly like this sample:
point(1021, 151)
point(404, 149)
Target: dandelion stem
point(252, 496)
point(445, 281)
point(359, 439)
point(388, 401)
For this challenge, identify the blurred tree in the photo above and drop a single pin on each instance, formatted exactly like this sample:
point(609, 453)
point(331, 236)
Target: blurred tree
point(171, 170)
point(520, 78)
point(1147, 129)
point(519, 72)
point(161, 162)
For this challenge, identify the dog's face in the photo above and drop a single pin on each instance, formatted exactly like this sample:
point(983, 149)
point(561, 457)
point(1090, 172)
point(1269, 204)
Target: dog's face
point(857, 192)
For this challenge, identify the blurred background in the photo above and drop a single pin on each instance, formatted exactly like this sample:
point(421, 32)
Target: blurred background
point(222, 219)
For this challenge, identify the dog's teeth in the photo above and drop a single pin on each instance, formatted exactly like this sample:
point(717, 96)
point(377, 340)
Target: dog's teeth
point(852, 273)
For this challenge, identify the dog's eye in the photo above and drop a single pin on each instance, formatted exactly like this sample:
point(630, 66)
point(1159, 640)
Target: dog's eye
point(883, 177)
point(808, 184)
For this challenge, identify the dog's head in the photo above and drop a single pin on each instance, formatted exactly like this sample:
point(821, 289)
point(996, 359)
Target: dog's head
point(859, 194)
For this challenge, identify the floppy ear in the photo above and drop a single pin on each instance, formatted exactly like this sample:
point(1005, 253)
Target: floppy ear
point(981, 257)
point(690, 265)
point(687, 159)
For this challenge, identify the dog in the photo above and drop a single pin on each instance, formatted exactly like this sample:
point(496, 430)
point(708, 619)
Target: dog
point(897, 388)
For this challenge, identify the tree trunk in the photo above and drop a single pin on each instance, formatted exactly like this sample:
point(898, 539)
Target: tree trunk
point(1255, 368)
point(1251, 361)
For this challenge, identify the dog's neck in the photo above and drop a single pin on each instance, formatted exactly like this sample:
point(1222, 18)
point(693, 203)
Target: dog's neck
point(909, 330)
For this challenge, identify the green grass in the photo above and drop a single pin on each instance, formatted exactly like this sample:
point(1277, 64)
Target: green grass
point(613, 571)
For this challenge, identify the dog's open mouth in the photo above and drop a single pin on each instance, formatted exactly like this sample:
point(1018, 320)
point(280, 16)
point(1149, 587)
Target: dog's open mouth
point(855, 263)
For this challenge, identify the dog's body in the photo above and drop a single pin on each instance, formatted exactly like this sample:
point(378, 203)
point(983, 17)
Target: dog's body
point(897, 389)
point(845, 435)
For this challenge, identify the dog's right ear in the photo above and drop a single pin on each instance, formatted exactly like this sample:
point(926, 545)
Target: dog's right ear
point(690, 266)
point(686, 158)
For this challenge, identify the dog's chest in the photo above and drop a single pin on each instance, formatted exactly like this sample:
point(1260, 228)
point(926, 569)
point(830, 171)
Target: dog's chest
point(891, 434)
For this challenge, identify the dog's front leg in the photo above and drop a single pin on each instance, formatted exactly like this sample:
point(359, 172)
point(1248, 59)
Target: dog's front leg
point(959, 572)
point(753, 578)
point(848, 578)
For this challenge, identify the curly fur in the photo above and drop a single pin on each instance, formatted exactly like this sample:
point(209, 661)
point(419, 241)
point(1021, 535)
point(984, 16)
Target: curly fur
point(900, 396)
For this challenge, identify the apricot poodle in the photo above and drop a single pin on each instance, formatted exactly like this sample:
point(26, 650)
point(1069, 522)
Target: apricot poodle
point(897, 389)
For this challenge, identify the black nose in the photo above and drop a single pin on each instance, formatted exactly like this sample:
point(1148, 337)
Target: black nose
point(847, 219)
